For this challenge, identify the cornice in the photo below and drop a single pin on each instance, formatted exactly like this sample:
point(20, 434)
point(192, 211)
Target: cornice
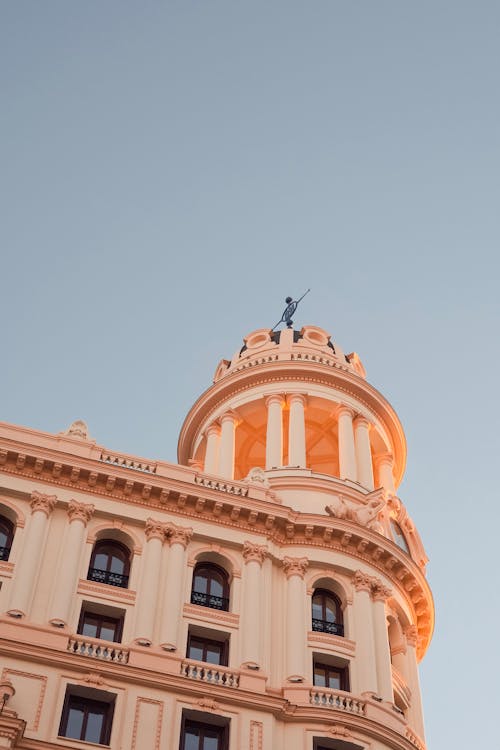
point(241, 506)
point(304, 372)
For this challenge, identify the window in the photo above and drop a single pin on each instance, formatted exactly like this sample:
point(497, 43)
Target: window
point(210, 587)
point(101, 624)
point(206, 649)
point(110, 563)
point(399, 537)
point(6, 536)
point(87, 719)
point(326, 613)
point(196, 735)
point(330, 676)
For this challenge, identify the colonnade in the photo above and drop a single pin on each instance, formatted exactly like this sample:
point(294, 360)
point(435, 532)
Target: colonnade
point(354, 449)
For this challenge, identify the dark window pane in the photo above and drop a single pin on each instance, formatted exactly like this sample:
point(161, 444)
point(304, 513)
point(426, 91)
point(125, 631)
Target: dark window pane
point(211, 743)
point(334, 680)
point(75, 723)
point(195, 652)
point(89, 629)
point(319, 677)
point(108, 632)
point(317, 609)
point(191, 741)
point(95, 723)
point(214, 652)
point(200, 584)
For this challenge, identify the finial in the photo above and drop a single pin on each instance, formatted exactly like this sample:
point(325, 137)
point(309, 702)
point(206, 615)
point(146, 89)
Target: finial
point(291, 306)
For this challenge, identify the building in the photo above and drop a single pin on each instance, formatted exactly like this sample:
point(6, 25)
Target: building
point(267, 592)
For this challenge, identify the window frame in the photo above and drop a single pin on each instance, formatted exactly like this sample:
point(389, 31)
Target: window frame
point(87, 611)
point(334, 628)
point(8, 528)
point(87, 703)
point(224, 652)
point(342, 671)
point(222, 729)
point(121, 580)
point(210, 600)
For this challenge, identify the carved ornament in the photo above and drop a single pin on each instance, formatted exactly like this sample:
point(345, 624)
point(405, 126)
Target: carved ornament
point(178, 535)
point(258, 476)
point(337, 730)
point(207, 703)
point(362, 581)
point(154, 529)
point(295, 566)
point(78, 429)
point(379, 592)
point(411, 634)
point(254, 552)
point(42, 502)
point(80, 511)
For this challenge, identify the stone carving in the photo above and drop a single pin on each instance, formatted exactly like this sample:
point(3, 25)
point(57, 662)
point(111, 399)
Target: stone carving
point(207, 703)
point(257, 552)
point(258, 476)
point(80, 511)
point(154, 529)
point(337, 730)
point(295, 566)
point(178, 534)
point(78, 429)
point(379, 592)
point(362, 581)
point(365, 515)
point(411, 634)
point(45, 503)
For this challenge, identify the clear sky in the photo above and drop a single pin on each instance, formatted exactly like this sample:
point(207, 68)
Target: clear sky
point(170, 171)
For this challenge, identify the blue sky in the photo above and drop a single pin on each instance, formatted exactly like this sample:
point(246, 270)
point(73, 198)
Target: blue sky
point(171, 171)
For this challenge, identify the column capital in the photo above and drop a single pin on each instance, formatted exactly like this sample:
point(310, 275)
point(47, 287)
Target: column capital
point(42, 502)
point(230, 416)
point(254, 552)
point(361, 421)
point(300, 398)
point(362, 581)
point(411, 634)
point(213, 429)
point(379, 592)
point(154, 529)
point(80, 511)
point(178, 535)
point(295, 566)
point(384, 458)
point(274, 398)
point(344, 410)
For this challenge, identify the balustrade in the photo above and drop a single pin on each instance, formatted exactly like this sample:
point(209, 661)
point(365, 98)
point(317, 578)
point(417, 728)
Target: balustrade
point(98, 650)
point(210, 673)
point(107, 576)
point(323, 626)
point(338, 700)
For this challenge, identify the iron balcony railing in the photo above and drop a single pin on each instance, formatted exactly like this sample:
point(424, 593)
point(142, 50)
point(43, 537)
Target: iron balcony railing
point(4, 553)
point(209, 600)
point(323, 626)
point(106, 576)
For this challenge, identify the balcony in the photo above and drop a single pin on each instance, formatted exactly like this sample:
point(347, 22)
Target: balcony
point(323, 626)
point(337, 699)
point(98, 649)
point(213, 674)
point(208, 600)
point(4, 553)
point(106, 576)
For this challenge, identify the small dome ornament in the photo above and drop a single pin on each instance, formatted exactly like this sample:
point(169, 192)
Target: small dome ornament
point(78, 429)
point(291, 306)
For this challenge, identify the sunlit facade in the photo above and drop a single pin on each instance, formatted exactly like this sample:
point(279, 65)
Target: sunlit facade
point(267, 592)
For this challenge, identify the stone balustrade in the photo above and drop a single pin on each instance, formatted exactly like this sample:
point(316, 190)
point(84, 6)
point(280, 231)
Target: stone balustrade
point(336, 699)
point(128, 462)
point(213, 674)
point(98, 649)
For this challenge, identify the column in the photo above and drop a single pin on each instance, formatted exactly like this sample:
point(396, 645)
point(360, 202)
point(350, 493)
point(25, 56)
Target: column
point(227, 439)
point(179, 539)
point(363, 452)
point(295, 568)
point(212, 450)
point(297, 431)
point(347, 455)
point(254, 555)
point(274, 434)
point(79, 515)
point(382, 650)
point(150, 579)
point(415, 713)
point(385, 465)
point(366, 670)
point(29, 563)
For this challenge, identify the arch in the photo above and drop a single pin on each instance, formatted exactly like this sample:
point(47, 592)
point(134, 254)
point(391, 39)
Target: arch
point(326, 612)
point(119, 533)
point(7, 530)
point(214, 554)
point(331, 582)
point(12, 512)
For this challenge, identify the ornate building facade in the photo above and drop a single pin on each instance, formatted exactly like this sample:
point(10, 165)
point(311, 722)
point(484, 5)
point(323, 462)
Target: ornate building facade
point(267, 592)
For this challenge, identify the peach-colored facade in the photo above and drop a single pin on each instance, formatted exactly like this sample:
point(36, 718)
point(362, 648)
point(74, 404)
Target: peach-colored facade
point(286, 492)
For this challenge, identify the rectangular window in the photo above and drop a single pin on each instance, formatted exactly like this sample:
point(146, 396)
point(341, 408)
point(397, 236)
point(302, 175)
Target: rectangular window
point(87, 719)
point(205, 649)
point(328, 676)
point(196, 735)
point(100, 625)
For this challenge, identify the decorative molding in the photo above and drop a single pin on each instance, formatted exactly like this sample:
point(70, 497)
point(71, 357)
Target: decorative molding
point(295, 566)
point(43, 687)
point(135, 729)
point(254, 552)
point(178, 534)
point(207, 703)
point(78, 429)
point(256, 735)
point(379, 592)
point(42, 502)
point(80, 511)
point(154, 529)
point(411, 633)
point(362, 581)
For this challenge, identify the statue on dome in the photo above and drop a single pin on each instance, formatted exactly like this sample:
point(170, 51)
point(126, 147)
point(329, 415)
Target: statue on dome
point(291, 306)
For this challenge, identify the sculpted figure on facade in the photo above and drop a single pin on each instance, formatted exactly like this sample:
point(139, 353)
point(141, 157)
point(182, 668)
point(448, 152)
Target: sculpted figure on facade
point(366, 515)
point(257, 475)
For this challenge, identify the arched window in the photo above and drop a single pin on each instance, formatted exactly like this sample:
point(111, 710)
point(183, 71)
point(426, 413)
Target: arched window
point(210, 586)
point(110, 563)
point(6, 537)
point(399, 537)
point(326, 613)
